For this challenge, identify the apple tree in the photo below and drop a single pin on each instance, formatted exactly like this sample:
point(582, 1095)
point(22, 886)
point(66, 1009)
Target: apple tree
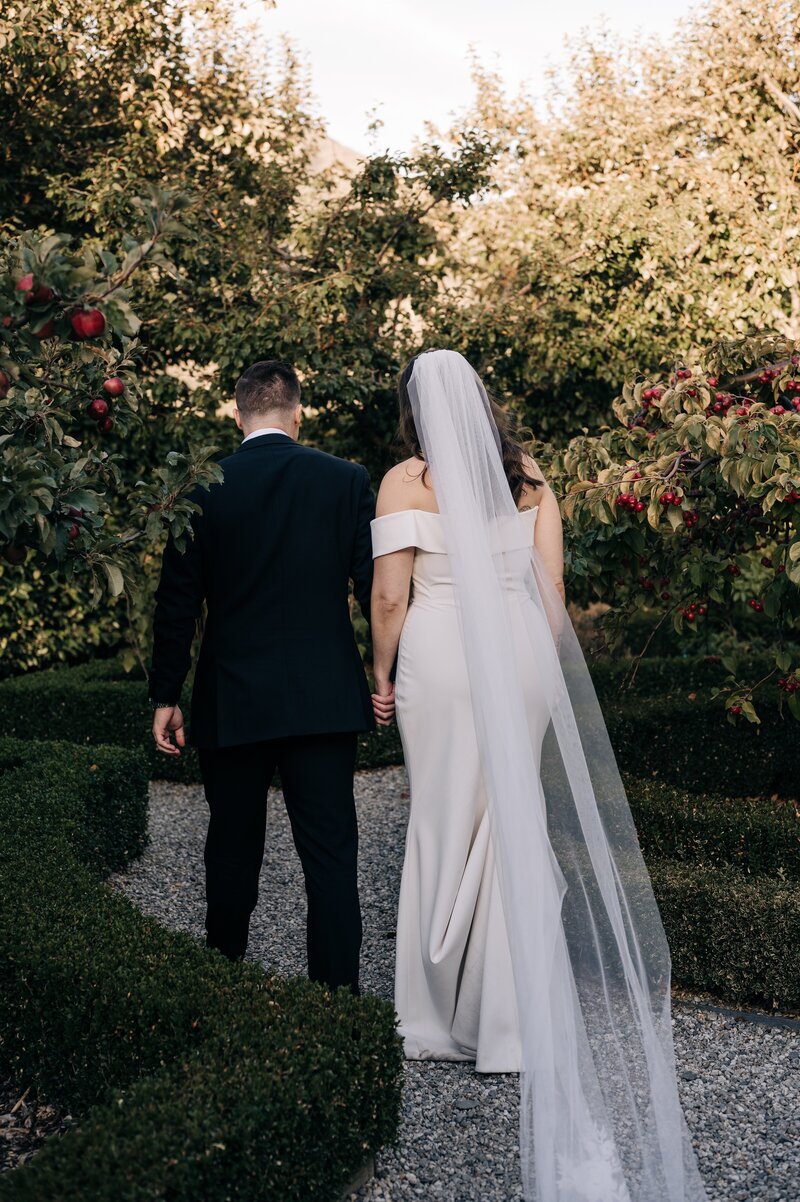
point(69, 382)
point(689, 504)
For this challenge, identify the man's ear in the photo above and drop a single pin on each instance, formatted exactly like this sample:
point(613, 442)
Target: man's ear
point(237, 417)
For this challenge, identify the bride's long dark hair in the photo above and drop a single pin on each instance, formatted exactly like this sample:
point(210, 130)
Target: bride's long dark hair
point(517, 474)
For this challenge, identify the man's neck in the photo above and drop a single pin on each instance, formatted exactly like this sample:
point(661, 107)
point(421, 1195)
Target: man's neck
point(257, 431)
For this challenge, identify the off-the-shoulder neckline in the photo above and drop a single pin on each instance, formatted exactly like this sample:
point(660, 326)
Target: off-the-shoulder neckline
point(432, 513)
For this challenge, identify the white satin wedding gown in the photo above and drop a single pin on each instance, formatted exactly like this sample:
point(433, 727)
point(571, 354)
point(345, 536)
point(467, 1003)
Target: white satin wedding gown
point(454, 987)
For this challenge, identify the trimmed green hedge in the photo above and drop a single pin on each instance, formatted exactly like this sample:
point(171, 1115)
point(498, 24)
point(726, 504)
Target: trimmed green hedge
point(93, 704)
point(669, 737)
point(91, 802)
point(756, 837)
point(666, 676)
point(195, 1077)
point(731, 935)
point(694, 747)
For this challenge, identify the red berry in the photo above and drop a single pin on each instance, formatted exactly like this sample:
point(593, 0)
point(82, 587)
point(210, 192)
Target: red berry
point(88, 323)
point(742, 411)
point(778, 409)
point(25, 283)
point(736, 709)
point(74, 531)
point(734, 569)
point(712, 381)
point(676, 500)
point(665, 596)
point(639, 506)
point(5, 384)
point(114, 387)
point(98, 408)
point(105, 425)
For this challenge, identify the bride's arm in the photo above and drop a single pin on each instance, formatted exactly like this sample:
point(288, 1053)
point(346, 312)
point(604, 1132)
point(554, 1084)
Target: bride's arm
point(548, 539)
point(391, 590)
point(390, 596)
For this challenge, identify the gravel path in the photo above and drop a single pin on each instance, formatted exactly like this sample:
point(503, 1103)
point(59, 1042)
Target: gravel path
point(739, 1080)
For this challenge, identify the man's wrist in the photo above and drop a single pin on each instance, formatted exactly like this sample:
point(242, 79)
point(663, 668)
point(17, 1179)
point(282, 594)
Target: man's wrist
point(161, 705)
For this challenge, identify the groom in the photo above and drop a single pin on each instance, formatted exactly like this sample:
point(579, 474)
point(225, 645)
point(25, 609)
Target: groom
point(279, 682)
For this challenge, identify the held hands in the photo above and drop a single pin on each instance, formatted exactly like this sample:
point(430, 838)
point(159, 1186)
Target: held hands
point(383, 702)
point(169, 721)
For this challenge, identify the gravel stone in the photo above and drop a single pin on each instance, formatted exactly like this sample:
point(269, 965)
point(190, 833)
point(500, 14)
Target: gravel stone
point(738, 1079)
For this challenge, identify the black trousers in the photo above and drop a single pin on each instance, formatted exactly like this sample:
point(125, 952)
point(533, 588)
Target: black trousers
point(317, 776)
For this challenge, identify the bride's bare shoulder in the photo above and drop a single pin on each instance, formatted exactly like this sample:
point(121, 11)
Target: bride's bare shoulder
point(403, 487)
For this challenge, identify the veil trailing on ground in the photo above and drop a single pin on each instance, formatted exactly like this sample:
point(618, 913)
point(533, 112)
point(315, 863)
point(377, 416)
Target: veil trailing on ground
point(600, 1117)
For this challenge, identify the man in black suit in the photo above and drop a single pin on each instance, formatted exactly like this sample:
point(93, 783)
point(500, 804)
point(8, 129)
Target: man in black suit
point(279, 682)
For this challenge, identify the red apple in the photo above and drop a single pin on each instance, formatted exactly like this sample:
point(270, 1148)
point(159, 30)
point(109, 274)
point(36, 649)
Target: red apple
point(115, 386)
point(88, 323)
point(14, 553)
point(98, 408)
point(39, 296)
point(45, 329)
point(74, 531)
point(5, 384)
point(25, 282)
point(105, 425)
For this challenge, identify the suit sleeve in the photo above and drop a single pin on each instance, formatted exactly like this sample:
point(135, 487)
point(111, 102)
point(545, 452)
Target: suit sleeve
point(361, 565)
point(179, 601)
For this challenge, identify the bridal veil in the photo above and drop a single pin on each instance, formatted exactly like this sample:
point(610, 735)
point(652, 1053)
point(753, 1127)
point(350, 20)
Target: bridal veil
point(600, 1116)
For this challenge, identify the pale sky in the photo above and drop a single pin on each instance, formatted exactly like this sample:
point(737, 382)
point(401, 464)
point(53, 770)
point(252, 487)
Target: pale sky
point(408, 60)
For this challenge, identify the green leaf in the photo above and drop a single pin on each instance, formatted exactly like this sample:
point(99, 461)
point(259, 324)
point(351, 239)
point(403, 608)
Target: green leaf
point(116, 580)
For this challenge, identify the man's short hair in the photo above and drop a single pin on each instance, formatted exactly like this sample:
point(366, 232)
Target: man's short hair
point(268, 386)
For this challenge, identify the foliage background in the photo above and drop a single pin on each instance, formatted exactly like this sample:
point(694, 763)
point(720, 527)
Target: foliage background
point(646, 211)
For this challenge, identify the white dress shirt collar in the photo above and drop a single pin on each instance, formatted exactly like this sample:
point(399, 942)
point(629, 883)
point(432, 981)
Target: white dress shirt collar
point(265, 430)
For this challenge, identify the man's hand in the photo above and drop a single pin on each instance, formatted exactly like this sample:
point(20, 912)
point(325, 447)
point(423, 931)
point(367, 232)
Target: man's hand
point(169, 721)
point(383, 703)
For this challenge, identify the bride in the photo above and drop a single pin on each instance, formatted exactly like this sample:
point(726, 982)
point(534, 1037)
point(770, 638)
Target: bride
point(528, 938)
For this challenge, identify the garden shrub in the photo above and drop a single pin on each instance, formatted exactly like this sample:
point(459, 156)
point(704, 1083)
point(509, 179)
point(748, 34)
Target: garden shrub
point(668, 736)
point(731, 935)
point(688, 744)
point(755, 836)
point(279, 1088)
point(88, 800)
point(98, 703)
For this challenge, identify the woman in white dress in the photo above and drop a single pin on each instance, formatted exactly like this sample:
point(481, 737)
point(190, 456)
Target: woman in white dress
point(528, 938)
point(454, 988)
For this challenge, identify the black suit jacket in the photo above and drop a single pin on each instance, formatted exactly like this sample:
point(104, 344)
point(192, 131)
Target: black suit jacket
point(273, 551)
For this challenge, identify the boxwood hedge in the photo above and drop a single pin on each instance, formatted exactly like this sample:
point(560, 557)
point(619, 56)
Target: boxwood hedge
point(192, 1077)
point(95, 704)
point(667, 736)
point(731, 935)
point(756, 836)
